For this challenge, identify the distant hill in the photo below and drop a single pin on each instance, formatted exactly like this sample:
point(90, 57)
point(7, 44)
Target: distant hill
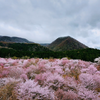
point(14, 39)
point(24, 46)
point(66, 43)
point(44, 44)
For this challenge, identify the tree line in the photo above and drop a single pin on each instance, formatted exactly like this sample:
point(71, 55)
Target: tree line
point(88, 54)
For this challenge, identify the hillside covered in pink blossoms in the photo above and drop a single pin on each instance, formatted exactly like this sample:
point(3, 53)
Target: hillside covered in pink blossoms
point(49, 79)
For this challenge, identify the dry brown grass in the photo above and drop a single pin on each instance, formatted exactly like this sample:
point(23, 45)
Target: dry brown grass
point(7, 92)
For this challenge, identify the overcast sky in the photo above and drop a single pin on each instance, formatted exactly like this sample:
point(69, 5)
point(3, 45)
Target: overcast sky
point(42, 21)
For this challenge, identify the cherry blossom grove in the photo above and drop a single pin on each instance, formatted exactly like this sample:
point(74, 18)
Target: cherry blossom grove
point(49, 79)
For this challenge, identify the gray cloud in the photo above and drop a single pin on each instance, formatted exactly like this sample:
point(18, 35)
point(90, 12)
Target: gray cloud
point(43, 21)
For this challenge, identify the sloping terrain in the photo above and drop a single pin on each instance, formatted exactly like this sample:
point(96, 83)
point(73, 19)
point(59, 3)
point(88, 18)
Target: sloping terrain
point(66, 43)
point(14, 39)
point(23, 46)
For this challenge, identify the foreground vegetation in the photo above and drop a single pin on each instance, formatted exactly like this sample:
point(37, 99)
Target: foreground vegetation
point(49, 79)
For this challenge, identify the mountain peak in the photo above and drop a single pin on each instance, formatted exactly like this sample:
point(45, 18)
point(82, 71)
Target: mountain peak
point(66, 43)
point(64, 37)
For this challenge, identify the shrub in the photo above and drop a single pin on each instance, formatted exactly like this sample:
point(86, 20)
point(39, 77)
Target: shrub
point(30, 90)
point(63, 95)
point(7, 89)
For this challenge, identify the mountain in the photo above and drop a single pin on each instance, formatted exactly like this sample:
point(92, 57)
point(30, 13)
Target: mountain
point(24, 46)
point(44, 44)
point(66, 43)
point(13, 39)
